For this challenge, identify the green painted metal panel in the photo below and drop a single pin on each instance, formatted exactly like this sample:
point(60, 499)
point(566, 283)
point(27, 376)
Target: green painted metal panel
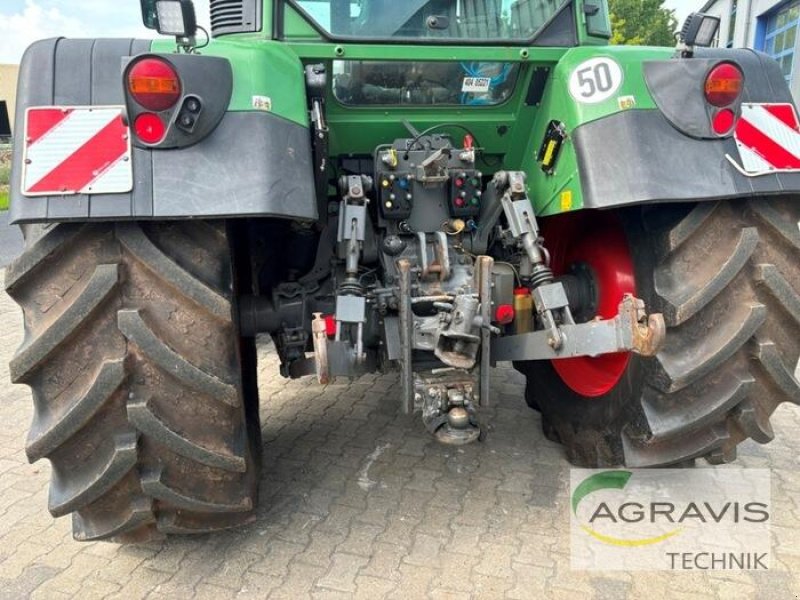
point(510, 134)
point(265, 73)
point(561, 191)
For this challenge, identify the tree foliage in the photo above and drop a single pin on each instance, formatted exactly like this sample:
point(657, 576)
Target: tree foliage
point(642, 23)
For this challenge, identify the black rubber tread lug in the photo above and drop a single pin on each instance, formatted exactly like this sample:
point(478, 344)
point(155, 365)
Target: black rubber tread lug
point(721, 456)
point(680, 418)
point(686, 364)
point(767, 354)
point(140, 414)
point(181, 523)
point(134, 239)
point(753, 422)
point(34, 352)
point(780, 289)
point(683, 299)
point(136, 330)
point(770, 217)
point(641, 453)
point(153, 485)
point(139, 515)
point(37, 253)
point(68, 496)
point(686, 228)
point(49, 432)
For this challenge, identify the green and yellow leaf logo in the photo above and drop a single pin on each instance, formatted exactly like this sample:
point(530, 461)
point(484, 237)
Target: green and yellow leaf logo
point(611, 480)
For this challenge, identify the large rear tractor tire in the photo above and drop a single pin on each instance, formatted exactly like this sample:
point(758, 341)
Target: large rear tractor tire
point(726, 276)
point(145, 398)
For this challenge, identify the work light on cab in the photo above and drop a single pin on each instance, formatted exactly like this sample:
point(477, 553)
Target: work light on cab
point(176, 17)
point(154, 84)
point(723, 85)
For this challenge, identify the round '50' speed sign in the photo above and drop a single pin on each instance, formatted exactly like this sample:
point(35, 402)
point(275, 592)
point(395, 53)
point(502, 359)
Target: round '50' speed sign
point(595, 80)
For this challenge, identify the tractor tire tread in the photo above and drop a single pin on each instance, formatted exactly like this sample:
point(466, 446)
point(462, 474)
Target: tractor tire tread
point(725, 273)
point(132, 352)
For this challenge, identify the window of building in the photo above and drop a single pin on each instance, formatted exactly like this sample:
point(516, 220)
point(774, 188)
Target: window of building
point(781, 33)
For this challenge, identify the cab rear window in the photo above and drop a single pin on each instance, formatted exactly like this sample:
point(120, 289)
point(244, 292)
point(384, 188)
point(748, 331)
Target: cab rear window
point(423, 83)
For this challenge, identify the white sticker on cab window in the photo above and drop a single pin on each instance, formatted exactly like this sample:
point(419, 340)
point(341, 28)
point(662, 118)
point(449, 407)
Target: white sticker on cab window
point(595, 80)
point(476, 85)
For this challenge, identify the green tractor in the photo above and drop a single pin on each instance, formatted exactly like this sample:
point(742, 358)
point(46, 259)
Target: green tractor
point(426, 186)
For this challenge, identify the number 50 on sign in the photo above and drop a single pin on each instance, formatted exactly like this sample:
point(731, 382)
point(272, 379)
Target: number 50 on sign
point(595, 80)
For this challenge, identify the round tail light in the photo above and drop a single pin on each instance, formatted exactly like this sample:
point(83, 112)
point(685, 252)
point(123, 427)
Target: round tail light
point(154, 84)
point(723, 121)
point(149, 128)
point(724, 85)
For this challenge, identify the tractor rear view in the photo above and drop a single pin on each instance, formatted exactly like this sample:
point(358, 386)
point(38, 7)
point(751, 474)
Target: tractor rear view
point(428, 187)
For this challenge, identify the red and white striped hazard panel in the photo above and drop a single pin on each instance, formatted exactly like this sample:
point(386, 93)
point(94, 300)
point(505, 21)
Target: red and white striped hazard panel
point(76, 150)
point(768, 137)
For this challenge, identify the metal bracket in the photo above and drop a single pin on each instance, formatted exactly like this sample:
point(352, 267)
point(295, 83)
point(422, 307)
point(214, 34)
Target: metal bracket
point(523, 227)
point(406, 335)
point(440, 265)
point(548, 300)
point(433, 170)
point(320, 338)
point(520, 217)
point(352, 222)
point(484, 272)
point(630, 331)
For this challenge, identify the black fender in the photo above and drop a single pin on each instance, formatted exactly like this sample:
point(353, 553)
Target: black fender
point(250, 164)
point(671, 154)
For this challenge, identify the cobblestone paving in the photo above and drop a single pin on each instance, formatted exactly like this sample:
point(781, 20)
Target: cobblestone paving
point(356, 500)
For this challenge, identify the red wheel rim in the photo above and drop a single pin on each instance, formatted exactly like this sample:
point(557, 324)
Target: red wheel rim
point(597, 240)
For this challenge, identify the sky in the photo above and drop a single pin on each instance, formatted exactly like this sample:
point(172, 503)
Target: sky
point(682, 8)
point(24, 21)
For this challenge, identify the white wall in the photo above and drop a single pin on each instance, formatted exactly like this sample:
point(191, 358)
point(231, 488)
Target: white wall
point(721, 9)
point(747, 12)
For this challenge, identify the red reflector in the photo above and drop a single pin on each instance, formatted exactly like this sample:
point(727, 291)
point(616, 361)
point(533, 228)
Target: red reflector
point(330, 325)
point(154, 84)
point(723, 85)
point(149, 128)
point(723, 121)
point(504, 314)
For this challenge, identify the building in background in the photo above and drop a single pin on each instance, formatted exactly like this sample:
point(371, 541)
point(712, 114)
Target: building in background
point(766, 25)
point(8, 94)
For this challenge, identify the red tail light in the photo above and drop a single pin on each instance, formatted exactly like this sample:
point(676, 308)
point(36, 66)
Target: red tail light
point(723, 121)
point(149, 128)
point(154, 84)
point(723, 85)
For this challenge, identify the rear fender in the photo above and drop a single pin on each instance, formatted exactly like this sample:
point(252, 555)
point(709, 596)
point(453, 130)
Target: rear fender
point(651, 140)
point(248, 163)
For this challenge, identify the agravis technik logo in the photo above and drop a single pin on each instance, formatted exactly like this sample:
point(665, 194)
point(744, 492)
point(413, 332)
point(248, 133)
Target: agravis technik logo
point(670, 519)
point(605, 481)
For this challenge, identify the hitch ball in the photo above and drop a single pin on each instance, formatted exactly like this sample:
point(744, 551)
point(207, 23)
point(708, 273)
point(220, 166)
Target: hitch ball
point(458, 418)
